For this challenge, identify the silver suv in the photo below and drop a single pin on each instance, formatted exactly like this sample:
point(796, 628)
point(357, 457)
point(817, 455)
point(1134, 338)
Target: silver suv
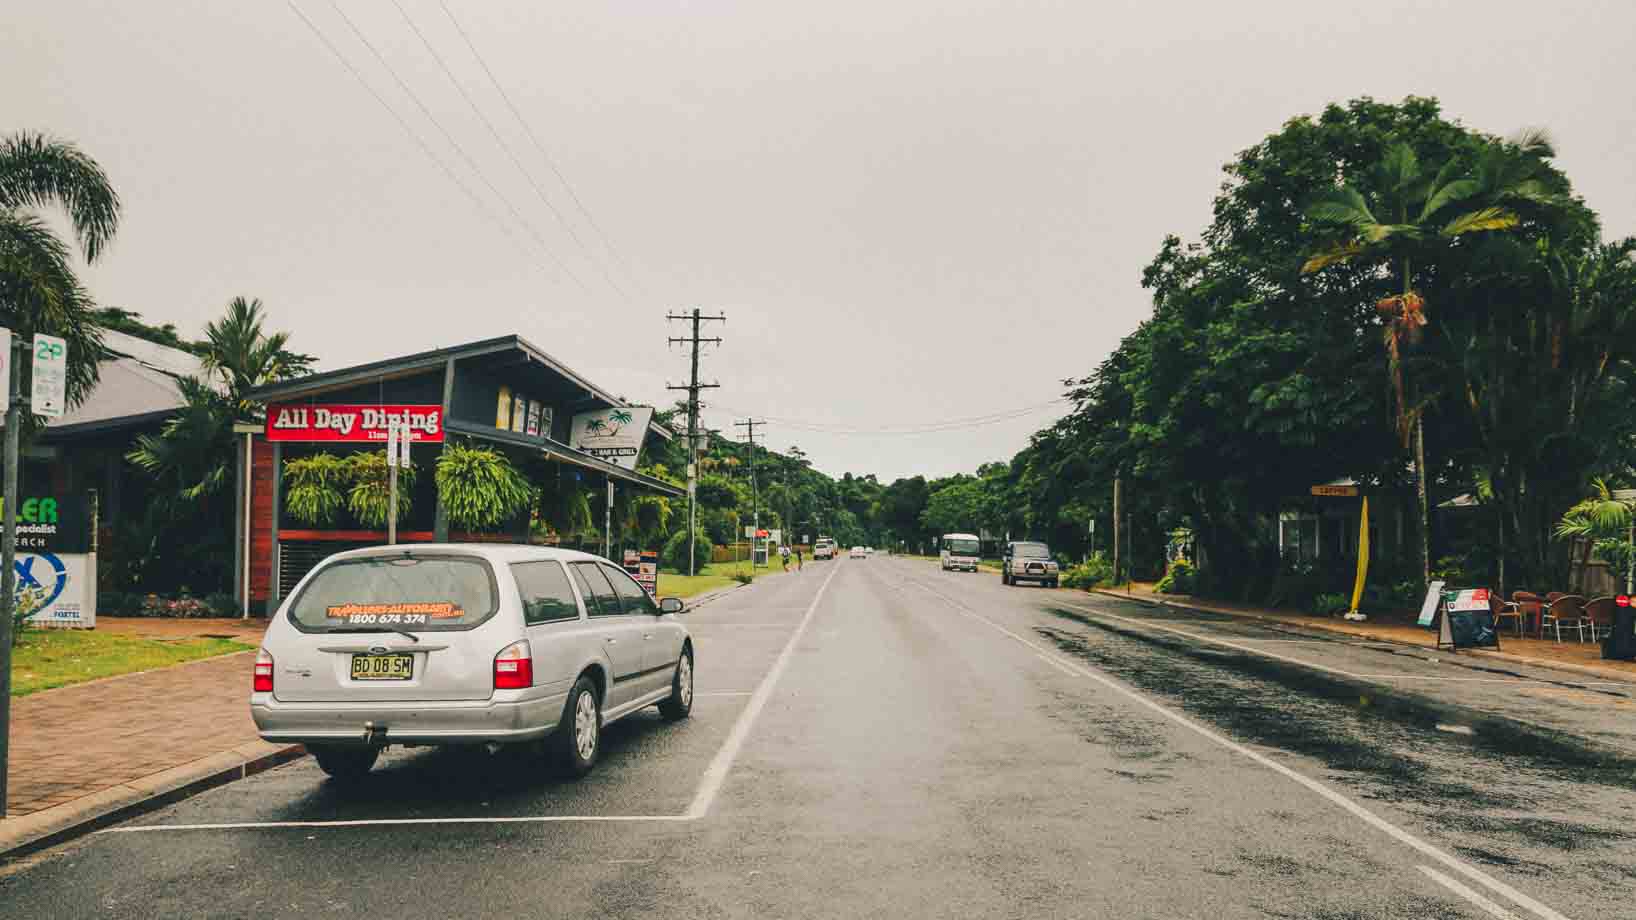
point(1026, 561)
point(466, 644)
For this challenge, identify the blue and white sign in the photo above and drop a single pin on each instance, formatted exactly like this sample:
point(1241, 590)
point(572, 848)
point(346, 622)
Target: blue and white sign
point(55, 590)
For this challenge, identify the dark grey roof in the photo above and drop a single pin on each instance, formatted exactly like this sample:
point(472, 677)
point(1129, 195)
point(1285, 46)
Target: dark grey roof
point(314, 384)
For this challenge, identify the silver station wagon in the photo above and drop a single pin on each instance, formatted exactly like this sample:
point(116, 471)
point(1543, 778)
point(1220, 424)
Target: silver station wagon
point(466, 645)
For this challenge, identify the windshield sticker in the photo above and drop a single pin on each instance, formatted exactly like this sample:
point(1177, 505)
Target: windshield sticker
point(402, 614)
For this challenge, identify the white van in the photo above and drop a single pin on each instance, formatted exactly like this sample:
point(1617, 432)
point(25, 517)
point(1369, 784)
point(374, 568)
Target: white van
point(960, 551)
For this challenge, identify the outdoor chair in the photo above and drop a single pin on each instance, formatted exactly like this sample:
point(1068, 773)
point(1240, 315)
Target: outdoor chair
point(1598, 618)
point(1503, 608)
point(1567, 610)
point(1531, 606)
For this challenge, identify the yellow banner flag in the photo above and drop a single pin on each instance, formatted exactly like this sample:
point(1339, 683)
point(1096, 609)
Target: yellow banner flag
point(1363, 553)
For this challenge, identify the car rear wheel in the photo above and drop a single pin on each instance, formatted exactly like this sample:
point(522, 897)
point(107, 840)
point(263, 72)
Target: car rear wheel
point(680, 702)
point(578, 738)
point(345, 762)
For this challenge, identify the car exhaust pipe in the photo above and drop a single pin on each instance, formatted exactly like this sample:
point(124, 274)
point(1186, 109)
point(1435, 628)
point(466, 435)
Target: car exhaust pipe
point(493, 747)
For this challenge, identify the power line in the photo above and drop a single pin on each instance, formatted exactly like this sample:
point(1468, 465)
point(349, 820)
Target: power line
point(978, 421)
point(404, 124)
point(532, 231)
point(540, 148)
point(498, 139)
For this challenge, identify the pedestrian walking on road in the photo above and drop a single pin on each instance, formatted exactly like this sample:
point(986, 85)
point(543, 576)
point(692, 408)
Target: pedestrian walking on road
point(784, 554)
point(798, 559)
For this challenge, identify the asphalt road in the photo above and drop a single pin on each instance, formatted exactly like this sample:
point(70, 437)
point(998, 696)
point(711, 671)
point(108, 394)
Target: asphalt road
point(876, 738)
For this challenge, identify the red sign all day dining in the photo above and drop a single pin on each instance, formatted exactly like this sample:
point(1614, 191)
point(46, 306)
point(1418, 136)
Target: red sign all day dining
point(363, 424)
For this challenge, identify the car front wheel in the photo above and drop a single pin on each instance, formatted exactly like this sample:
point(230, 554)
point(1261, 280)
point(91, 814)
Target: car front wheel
point(680, 702)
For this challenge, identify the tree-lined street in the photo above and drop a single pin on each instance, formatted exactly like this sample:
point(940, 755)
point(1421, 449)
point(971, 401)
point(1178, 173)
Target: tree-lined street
point(876, 737)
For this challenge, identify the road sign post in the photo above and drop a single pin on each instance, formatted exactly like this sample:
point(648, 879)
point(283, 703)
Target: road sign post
point(8, 560)
point(50, 361)
point(393, 434)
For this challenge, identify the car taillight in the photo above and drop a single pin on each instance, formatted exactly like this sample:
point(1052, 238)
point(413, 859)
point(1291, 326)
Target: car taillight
point(514, 667)
point(263, 682)
point(1622, 600)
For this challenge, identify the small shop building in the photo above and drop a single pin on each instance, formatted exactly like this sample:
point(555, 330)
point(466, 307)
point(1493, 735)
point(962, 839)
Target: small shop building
point(556, 427)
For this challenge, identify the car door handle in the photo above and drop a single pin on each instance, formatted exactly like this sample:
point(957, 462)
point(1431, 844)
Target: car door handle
point(610, 640)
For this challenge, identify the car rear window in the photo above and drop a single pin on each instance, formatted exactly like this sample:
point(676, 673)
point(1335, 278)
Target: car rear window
point(545, 592)
point(1033, 551)
point(416, 593)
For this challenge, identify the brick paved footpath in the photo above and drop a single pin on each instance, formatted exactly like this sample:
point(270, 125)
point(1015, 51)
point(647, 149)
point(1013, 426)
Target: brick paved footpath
point(84, 739)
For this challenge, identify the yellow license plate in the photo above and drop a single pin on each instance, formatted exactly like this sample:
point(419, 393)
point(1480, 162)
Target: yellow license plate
point(383, 667)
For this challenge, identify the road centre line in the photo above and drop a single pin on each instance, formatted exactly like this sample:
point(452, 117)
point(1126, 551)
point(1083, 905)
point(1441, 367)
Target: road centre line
point(1334, 797)
point(709, 785)
point(716, 773)
point(1467, 893)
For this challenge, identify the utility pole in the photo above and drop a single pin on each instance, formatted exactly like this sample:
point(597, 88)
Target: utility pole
point(693, 387)
point(755, 500)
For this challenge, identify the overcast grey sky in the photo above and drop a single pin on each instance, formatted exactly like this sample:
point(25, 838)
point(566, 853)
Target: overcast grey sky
point(911, 211)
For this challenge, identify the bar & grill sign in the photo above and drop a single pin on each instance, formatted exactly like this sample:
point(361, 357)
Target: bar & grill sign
point(353, 423)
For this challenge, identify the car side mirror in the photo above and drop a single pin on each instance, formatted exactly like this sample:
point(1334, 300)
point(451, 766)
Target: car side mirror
point(671, 605)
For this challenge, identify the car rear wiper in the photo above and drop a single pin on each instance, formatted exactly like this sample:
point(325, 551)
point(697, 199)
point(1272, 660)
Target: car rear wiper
point(377, 629)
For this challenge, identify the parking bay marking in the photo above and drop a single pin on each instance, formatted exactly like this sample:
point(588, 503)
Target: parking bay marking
point(1335, 798)
point(709, 785)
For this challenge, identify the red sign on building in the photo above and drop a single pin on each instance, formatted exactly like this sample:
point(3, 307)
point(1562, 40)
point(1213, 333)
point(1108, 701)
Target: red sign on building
point(352, 423)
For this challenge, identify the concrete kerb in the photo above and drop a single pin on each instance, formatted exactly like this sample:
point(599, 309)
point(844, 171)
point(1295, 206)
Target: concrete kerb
point(49, 827)
point(1583, 670)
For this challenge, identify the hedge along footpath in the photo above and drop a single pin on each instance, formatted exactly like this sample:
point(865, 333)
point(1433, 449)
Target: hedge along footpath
point(48, 658)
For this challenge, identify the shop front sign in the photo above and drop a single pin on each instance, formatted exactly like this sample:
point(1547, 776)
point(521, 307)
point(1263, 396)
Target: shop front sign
point(359, 424)
point(614, 435)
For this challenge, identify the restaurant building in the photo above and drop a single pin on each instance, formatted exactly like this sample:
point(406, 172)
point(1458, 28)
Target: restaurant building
point(558, 428)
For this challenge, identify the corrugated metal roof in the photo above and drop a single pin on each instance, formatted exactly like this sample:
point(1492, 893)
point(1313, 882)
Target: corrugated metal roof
point(137, 382)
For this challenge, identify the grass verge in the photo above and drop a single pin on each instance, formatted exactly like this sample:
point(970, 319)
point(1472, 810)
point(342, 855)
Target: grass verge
point(709, 578)
point(50, 658)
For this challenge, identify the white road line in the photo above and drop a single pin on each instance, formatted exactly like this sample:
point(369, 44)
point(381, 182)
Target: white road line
point(1467, 893)
point(1346, 804)
point(373, 822)
point(722, 692)
point(716, 773)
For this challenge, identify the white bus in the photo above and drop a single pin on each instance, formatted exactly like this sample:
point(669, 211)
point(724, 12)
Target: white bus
point(960, 551)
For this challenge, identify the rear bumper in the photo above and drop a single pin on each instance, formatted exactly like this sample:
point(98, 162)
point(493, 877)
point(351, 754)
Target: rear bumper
point(472, 722)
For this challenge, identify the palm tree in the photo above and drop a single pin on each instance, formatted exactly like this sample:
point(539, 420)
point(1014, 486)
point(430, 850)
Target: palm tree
point(243, 358)
point(39, 291)
point(1600, 522)
point(620, 418)
point(1405, 215)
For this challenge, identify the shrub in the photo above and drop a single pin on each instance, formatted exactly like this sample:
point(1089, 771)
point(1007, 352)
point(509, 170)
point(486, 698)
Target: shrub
point(743, 578)
point(1089, 574)
point(222, 604)
point(371, 490)
point(185, 606)
point(675, 552)
point(479, 486)
point(1179, 580)
point(1330, 604)
point(313, 487)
